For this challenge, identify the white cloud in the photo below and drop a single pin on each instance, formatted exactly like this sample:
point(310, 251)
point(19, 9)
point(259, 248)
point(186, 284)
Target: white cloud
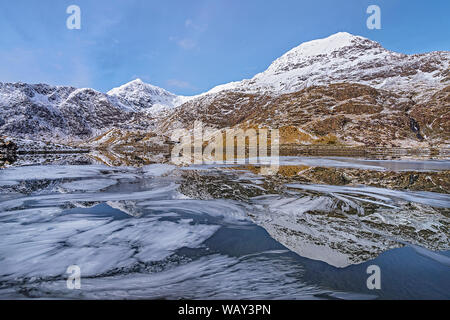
point(193, 30)
point(186, 43)
point(190, 24)
point(179, 84)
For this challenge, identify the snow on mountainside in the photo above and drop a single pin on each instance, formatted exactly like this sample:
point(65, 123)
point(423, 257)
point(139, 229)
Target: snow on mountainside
point(283, 95)
point(146, 97)
point(343, 57)
point(67, 114)
point(345, 87)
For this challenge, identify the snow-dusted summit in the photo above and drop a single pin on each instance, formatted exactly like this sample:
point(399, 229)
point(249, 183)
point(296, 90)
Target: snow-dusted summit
point(146, 97)
point(343, 57)
point(416, 84)
point(65, 114)
point(344, 85)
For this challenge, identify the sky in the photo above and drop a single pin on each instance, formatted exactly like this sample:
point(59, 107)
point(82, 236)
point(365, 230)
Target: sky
point(190, 46)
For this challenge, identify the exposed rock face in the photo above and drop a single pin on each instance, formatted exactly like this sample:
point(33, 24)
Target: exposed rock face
point(64, 114)
point(128, 141)
point(433, 116)
point(8, 151)
point(356, 114)
point(224, 109)
point(7, 146)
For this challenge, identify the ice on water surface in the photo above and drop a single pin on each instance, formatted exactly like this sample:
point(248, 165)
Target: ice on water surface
point(165, 232)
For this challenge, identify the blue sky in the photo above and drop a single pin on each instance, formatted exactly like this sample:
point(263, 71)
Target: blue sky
point(189, 46)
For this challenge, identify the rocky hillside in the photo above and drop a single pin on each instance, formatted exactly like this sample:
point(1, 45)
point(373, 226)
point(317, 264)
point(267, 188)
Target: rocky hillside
point(343, 89)
point(69, 115)
point(147, 98)
point(343, 57)
point(347, 113)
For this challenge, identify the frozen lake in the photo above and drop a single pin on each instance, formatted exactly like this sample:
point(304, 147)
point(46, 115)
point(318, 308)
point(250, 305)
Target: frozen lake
point(227, 232)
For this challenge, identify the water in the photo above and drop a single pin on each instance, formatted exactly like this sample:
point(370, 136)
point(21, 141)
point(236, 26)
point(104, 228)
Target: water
point(226, 232)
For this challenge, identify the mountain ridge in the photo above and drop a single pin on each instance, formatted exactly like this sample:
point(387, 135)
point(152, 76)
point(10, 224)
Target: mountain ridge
point(331, 59)
point(408, 82)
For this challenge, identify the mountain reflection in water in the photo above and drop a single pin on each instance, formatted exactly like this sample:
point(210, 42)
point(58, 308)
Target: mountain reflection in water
point(211, 231)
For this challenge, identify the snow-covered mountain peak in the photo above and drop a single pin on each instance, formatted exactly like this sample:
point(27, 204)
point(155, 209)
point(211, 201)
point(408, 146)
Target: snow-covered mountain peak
point(137, 81)
point(146, 97)
point(39, 110)
point(325, 46)
point(138, 85)
point(338, 45)
point(343, 57)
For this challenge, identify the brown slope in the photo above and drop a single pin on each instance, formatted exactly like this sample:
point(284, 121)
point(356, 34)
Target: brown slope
point(356, 114)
